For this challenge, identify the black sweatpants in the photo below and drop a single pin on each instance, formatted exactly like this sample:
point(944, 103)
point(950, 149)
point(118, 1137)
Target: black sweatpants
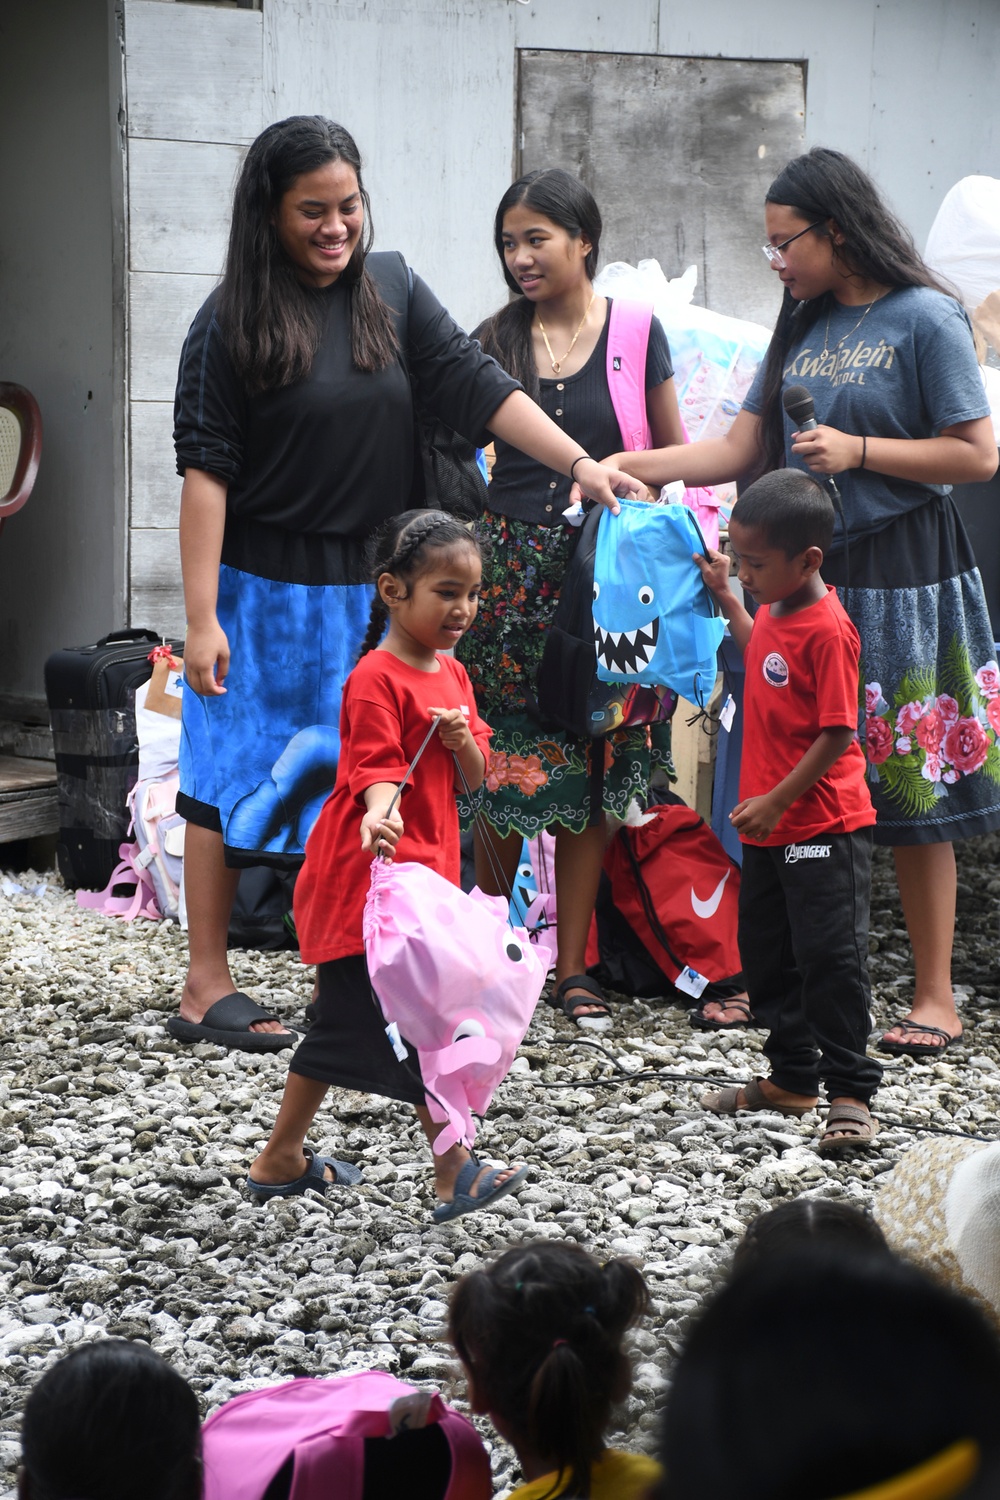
point(803, 934)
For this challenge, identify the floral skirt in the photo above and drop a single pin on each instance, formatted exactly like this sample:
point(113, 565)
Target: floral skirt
point(537, 776)
point(929, 719)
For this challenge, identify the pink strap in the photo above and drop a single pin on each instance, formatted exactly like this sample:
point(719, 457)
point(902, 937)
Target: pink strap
point(628, 341)
point(142, 902)
point(311, 1474)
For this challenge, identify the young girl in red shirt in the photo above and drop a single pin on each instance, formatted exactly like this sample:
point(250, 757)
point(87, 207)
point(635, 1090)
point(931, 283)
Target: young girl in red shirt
point(428, 573)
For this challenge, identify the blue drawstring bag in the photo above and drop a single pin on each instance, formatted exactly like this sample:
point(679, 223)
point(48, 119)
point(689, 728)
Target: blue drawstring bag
point(655, 621)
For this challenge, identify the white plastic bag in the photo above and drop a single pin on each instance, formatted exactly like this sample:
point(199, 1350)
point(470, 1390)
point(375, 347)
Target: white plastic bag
point(714, 357)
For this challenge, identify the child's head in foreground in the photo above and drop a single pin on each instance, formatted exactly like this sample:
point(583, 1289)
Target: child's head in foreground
point(540, 1332)
point(827, 1369)
point(111, 1421)
point(779, 531)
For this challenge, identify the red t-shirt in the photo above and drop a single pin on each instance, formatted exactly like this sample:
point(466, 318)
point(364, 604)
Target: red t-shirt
point(384, 715)
point(801, 677)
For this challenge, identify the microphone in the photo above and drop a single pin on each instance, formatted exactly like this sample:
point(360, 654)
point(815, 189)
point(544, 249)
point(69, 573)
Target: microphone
point(800, 406)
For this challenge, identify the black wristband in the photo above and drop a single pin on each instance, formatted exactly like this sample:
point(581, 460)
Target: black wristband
point(864, 451)
point(578, 460)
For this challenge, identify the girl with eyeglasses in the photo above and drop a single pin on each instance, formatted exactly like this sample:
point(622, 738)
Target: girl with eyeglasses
point(886, 353)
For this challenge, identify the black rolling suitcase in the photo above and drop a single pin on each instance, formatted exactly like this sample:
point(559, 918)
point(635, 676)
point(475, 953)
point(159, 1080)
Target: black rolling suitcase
point(91, 697)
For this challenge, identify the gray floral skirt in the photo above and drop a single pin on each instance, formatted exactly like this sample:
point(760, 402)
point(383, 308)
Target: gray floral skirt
point(929, 704)
point(538, 777)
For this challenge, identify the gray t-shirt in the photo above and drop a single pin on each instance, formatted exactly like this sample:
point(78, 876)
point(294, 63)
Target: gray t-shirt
point(906, 369)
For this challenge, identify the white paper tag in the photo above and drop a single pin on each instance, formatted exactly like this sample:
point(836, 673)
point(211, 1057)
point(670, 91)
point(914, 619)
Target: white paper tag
point(396, 1041)
point(728, 713)
point(690, 982)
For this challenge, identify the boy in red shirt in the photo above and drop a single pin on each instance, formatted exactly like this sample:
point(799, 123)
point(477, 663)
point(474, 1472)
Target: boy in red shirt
point(804, 815)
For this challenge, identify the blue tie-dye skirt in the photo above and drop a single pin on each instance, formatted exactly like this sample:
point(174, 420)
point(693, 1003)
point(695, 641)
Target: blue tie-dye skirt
point(258, 761)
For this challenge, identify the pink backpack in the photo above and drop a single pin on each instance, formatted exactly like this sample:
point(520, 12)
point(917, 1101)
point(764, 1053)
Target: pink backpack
point(152, 864)
point(628, 340)
point(457, 980)
point(320, 1427)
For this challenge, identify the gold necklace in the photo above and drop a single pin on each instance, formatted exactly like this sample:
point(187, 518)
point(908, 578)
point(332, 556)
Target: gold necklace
point(827, 351)
point(557, 364)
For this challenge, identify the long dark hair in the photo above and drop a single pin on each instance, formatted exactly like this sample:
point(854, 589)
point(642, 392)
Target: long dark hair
point(269, 319)
point(403, 547)
point(112, 1419)
point(540, 1331)
point(562, 198)
point(821, 185)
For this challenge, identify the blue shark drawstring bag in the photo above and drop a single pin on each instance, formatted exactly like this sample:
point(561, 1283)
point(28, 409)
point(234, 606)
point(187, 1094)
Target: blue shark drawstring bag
point(655, 621)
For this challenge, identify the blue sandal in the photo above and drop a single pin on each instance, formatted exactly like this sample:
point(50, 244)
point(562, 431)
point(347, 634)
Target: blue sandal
point(465, 1202)
point(313, 1178)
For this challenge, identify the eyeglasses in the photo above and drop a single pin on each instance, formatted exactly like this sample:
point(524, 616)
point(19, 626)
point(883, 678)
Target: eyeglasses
point(773, 252)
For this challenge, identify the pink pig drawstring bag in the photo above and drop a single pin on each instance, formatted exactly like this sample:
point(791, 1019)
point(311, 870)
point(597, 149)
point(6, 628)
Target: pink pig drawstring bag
point(455, 978)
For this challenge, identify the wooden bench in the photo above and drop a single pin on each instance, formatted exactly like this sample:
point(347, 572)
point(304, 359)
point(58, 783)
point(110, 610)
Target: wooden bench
point(29, 801)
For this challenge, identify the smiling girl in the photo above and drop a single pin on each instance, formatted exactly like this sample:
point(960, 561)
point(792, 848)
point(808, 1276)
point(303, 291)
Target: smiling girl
point(552, 337)
point(294, 434)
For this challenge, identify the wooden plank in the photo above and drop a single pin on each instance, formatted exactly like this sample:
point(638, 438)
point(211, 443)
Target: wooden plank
point(694, 755)
point(678, 152)
point(28, 815)
point(156, 485)
point(161, 308)
point(193, 72)
point(156, 597)
point(19, 774)
point(590, 25)
point(180, 194)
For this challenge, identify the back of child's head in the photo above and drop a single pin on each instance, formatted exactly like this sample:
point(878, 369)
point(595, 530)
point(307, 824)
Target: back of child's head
point(540, 1332)
point(404, 547)
point(789, 509)
point(111, 1421)
point(808, 1221)
point(824, 1371)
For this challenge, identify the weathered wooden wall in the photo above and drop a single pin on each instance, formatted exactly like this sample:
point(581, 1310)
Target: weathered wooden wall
point(194, 99)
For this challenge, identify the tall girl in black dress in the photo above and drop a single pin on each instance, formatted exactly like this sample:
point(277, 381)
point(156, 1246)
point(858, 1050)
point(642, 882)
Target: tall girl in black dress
point(294, 433)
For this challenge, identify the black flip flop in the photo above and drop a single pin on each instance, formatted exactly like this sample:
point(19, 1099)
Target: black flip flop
point(228, 1022)
point(568, 1005)
point(709, 1023)
point(917, 1049)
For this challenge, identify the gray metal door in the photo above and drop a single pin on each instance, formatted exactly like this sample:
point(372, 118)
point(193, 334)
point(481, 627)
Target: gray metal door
point(678, 151)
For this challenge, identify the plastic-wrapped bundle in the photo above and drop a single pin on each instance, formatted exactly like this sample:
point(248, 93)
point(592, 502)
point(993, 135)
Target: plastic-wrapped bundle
point(964, 248)
point(714, 357)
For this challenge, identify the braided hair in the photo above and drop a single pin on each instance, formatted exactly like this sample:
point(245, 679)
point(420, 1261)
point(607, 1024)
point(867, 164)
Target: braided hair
point(540, 1332)
point(403, 547)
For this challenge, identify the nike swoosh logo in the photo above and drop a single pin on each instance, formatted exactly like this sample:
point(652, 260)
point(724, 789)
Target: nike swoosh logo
point(708, 908)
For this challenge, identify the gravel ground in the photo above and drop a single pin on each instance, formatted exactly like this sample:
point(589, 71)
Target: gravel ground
point(123, 1154)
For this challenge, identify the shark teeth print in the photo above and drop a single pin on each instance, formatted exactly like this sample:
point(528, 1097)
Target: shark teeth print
point(626, 651)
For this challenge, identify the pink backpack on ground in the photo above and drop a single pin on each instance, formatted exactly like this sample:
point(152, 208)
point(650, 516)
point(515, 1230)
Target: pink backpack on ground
point(628, 340)
point(320, 1427)
point(152, 863)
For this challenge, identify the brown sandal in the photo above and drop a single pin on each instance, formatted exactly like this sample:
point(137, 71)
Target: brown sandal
point(725, 1101)
point(849, 1127)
